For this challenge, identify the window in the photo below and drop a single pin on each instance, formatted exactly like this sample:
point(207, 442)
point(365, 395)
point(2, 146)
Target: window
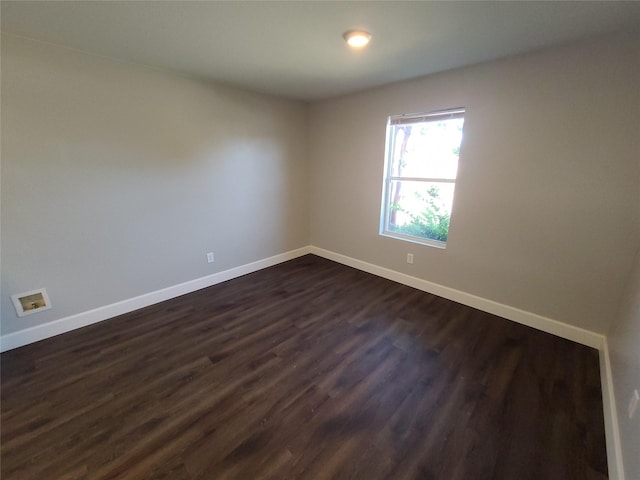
point(421, 164)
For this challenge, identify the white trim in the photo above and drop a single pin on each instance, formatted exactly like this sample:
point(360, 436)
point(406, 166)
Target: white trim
point(576, 334)
point(421, 179)
point(579, 335)
point(408, 238)
point(421, 117)
point(56, 327)
point(62, 325)
point(611, 426)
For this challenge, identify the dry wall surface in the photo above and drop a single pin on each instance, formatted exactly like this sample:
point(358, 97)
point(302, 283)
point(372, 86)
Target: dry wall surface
point(624, 343)
point(118, 179)
point(546, 209)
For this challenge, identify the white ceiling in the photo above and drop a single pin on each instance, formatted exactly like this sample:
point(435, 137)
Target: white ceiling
point(296, 50)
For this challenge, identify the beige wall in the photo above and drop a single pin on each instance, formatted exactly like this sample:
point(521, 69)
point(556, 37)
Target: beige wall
point(624, 350)
point(117, 179)
point(547, 206)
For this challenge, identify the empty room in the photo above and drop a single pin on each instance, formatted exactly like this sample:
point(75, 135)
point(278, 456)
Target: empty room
point(320, 240)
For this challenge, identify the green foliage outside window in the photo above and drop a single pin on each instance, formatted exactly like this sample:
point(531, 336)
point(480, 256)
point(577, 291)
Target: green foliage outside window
point(433, 220)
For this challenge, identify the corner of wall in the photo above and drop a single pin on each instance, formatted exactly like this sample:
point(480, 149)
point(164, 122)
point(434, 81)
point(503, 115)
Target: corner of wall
point(612, 431)
point(63, 325)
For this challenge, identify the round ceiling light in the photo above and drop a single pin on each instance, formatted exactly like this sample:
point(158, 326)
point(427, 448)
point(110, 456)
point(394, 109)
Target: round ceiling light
point(357, 38)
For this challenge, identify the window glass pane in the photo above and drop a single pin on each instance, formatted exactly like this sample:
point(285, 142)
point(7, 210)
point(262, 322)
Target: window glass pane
point(420, 209)
point(426, 149)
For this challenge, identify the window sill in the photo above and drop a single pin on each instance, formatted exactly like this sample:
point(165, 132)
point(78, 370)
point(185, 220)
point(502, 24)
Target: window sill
point(419, 241)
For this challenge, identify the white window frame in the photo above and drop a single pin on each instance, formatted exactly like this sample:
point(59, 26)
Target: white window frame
point(389, 178)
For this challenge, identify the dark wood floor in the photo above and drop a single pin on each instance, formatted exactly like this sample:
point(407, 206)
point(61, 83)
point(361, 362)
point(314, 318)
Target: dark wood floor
point(306, 370)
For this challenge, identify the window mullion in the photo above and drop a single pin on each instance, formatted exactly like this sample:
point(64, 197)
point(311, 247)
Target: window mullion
point(422, 179)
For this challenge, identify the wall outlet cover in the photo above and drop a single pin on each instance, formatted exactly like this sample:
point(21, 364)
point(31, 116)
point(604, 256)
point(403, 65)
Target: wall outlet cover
point(30, 302)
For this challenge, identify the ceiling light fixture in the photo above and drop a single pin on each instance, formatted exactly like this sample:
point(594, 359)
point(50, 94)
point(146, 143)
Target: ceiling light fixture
point(357, 38)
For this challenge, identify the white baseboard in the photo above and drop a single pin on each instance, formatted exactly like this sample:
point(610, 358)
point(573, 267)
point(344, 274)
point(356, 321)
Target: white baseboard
point(576, 334)
point(612, 431)
point(56, 327)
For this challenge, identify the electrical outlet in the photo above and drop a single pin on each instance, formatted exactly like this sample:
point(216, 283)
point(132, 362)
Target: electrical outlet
point(210, 257)
point(409, 257)
point(633, 403)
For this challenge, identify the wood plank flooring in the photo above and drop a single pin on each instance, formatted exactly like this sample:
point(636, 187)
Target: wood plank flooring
point(305, 370)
